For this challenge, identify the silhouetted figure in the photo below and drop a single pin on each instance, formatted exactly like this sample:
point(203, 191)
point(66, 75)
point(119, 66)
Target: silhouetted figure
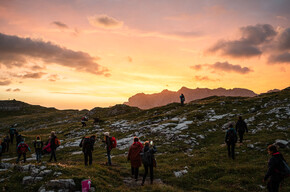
point(83, 121)
point(241, 127)
point(12, 132)
point(182, 99)
point(231, 139)
point(135, 158)
point(87, 143)
point(7, 141)
point(275, 168)
point(22, 149)
point(54, 143)
point(109, 145)
point(38, 145)
point(148, 160)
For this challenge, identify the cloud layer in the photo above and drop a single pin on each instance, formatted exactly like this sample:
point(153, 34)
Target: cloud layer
point(16, 52)
point(60, 24)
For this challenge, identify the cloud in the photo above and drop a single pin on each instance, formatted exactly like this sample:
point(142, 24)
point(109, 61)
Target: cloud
point(37, 68)
point(204, 78)
point(37, 75)
point(8, 90)
point(280, 58)
point(196, 67)
point(249, 43)
point(16, 51)
point(60, 24)
point(104, 21)
point(3, 83)
point(284, 40)
point(54, 77)
point(129, 59)
point(225, 66)
point(16, 90)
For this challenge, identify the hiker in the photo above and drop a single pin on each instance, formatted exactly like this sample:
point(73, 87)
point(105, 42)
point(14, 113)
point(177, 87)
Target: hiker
point(22, 149)
point(12, 133)
point(18, 138)
point(87, 143)
point(7, 141)
point(148, 160)
point(182, 99)
point(3, 145)
point(54, 143)
point(110, 143)
point(135, 157)
point(241, 127)
point(38, 145)
point(230, 140)
point(275, 168)
point(84, 119)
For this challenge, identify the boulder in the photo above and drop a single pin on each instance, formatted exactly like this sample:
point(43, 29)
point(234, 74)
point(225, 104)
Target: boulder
point(5, 165)
point(62, 184)
point(281, 143)
point(45, 173)
point(29, 179)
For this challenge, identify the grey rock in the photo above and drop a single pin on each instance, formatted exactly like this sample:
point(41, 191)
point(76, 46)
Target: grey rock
point(251, 146)
point(5, 165)
point(28, 180)
point(281, 143)
point(62, 184)
point(45, 172)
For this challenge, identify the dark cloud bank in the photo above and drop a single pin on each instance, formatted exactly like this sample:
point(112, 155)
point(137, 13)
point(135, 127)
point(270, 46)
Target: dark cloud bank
point(16, 51)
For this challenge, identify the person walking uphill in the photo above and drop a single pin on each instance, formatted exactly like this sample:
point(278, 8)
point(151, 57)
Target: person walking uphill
point(230, 140)
point(38, 145)
point(22, 149)
point(110, 143)
point(54, 143)
point(182, 99)
point(148, 160)
point(87, 143)
point(275, 169)
point(135, 157)
point(12, 133)
point(241, 127)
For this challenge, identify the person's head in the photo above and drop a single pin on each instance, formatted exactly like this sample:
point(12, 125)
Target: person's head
point(272, 149)
point(240, 118)
point(136, 139)
point(231, 126)
point(107, 134)
point(52, 134)
point(38, 137)
point(146, 143)
point(93, 136)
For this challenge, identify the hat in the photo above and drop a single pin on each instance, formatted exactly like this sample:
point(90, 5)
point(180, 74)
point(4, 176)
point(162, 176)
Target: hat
point(106, 133)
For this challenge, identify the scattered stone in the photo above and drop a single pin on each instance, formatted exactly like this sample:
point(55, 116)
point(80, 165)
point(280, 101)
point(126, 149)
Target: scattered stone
point(281, 143)
point(56, 174)
point(180, 173)
point(62, 184)
point(251, 146)
point(77, 153)
point(45, 172)
point(28, 180)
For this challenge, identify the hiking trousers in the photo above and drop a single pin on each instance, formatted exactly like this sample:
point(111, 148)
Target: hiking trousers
point(38, 155)
point(135, 172)
point(19, 156)
point(109, 157)
point(231, 150)
point(88, 157)
point(273, 184)
point(146, 172)
point(52, 155)
point(11, 138)
point(241, 136)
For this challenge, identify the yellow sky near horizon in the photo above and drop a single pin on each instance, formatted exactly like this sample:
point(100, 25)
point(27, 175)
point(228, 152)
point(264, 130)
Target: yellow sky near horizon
point(84, 54)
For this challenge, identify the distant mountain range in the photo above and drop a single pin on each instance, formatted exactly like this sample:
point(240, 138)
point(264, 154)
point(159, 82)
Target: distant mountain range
point(146, 101)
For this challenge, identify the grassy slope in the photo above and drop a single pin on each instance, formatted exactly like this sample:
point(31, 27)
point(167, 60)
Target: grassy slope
point(209, 168)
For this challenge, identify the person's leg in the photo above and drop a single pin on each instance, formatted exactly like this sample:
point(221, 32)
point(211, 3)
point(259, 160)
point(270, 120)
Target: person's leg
point(37, 156)
point(241, 135)
point(151, 174)
point(136, 173)
point(7, 147)
point(109, 157)
point(54, 155)
point(11, 138)
point(86, 158)
point(229, 151)
point(145, 174)
point(132, 171)
point(90, 158)
point(24, 157)
point(19, 156)
point(233, 151)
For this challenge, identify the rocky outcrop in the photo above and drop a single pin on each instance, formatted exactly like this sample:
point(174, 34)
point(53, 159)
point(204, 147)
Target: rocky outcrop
point(146, 101)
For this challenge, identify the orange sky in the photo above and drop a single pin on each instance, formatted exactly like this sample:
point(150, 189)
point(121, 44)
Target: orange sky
point(82, 54)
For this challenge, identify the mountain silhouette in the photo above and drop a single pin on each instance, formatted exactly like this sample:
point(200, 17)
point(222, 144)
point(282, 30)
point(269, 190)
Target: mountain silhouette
point(147, 101)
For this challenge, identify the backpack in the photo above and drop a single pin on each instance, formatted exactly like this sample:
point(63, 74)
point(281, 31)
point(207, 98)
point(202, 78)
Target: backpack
point(56, 142)
point(38, 145)
point(87, 143)
point(286, 170)
point(113, 142)
point(232, 137)
point(22, 148)
point(146, 157)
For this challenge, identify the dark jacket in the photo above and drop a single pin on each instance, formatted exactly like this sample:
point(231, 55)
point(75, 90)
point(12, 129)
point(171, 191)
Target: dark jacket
point(241, 126)
point(134, 154)
point(231, 136)
point(87, 143)
point(108, 143)
point(148, 155)
point(52, 143)
point(275, 166)
point(41, 145)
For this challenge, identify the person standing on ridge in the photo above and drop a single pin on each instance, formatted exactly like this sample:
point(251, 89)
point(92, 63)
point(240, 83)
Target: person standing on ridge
point(83, 121)
point(241, 127)
point(231, 139)
point(22, 149)
point(182, 99)
point(12, 132)
point(54, 143)
point(38, 145)
point(87, 143)
point(110, 143)
point(135, 157)
point(275, 168)
point(148, 160)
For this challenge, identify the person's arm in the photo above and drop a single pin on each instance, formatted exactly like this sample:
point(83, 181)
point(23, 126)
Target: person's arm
point(28, 148)
point(246, 127)
point(270, 169)
point(41, 144)
point(226, 137)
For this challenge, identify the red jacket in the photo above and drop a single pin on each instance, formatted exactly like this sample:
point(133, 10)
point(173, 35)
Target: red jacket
point(134, 154)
